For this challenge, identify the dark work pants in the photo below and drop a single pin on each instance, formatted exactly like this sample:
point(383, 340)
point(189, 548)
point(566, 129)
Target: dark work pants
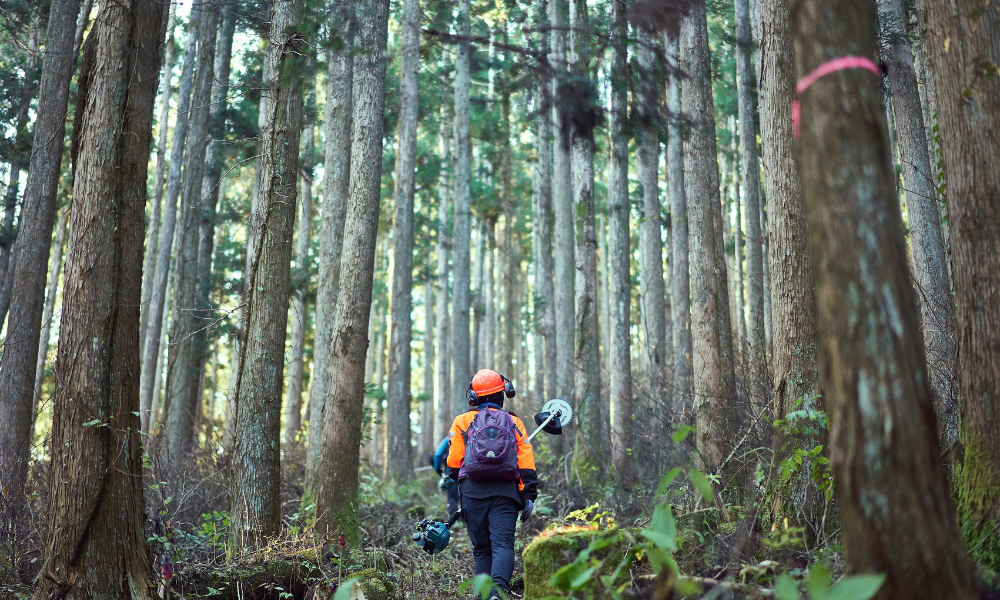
point(453, 497)
point(491, 525)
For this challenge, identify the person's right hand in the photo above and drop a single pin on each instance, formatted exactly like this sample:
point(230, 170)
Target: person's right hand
point(529, 507)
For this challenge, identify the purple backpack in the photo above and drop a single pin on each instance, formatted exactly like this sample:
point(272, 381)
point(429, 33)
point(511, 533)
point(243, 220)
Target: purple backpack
point(490, 448)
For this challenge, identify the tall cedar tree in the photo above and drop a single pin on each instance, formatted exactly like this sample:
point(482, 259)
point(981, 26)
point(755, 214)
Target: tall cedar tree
point(793, 303)
point(255, 508)
point(336, 485)
point(709, 306)
point(31, 248)
point(336, 178)
point(894, 500)
point(620, 300)
point(95, 546)
point(587, 361)
point(463, 199)
point(165, 247)
point(185, 366)
point(965, 54)
point(399, 463)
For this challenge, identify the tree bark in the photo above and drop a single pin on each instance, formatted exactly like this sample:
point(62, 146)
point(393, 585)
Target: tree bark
point(711, 403)
point(587, 359)
point(95, 546)
point(185, 367)
point(336, 179)
point(399, 461)
point(303, 239)
point(477, 343)
point(55, 268)
point(680, 276)
point(793, 356)
point(255, 509)
point(300, 310)
point(937, 313)
point(562, 207)
point(463, 200)
point(654, 310)
point(620, 296)
point(443, 404)
point(491, 327)
point(964, 44)
point(164, 257)
point(153, 233)
point(8, 235)
point(30, 253)
point(213, 187)
point(757, 339)
point(426, 445)
point(891, 486)
point(337, 477)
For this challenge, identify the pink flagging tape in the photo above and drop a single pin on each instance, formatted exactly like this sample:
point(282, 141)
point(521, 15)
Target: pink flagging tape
point(830, 66)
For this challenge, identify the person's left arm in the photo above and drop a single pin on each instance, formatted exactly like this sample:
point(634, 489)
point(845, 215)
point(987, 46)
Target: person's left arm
point(525, 463)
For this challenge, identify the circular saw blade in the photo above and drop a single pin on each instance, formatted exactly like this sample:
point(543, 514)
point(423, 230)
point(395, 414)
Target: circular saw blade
point(563, 407)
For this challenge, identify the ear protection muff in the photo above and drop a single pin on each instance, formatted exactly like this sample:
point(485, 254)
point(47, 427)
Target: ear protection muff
point(472, 396)
point(508, 387)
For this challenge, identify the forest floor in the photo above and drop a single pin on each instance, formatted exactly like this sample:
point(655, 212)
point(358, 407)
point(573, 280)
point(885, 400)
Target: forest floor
point(600, 539)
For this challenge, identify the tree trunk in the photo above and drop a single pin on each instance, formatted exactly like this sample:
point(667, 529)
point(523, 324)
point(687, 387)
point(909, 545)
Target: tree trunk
point(490, 329)
point(587, 359)
point(443, 405)
point(153, 233)
point(426, 445)
point(255, 509)
point(512, 245)
point(303, 240)
point(929, 257)
point(463, 200)
point(969, 114)
point(399, 461)
point(337, 477)
point(619, 211)
point(300, 310)
point(711, 403)
point(757, 339)
point(651, 251)
point(185, 368)
point(562, 205)
point(164, 257)
point(213, 187)
point(793, 357)
point(31, 248)
point(475, 346)
point(21, 145)
point(740, 328)
point(893, 495)
point(55, 268)
point(336, 179)
point(681, 281)
point(95, 546)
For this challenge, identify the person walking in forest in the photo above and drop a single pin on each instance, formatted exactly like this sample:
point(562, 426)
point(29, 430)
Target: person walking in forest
point(492, 462)
point(447, 484)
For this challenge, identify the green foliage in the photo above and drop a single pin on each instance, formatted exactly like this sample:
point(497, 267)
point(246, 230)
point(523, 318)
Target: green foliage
point(818, 586)
point(805, 424)
point(481, 585)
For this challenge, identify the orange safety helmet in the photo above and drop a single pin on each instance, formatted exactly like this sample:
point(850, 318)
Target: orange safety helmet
point(487, 382)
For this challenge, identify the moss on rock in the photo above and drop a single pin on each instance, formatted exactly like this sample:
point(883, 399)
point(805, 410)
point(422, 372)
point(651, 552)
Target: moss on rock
point(553, 549)
point(375, 584)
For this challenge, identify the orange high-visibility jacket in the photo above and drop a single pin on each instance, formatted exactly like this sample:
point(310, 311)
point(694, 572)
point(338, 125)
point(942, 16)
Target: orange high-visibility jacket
point(528, 483)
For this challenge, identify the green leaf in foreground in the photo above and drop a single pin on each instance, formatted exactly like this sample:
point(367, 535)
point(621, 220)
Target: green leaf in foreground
point(701, 483)
point(856, 587)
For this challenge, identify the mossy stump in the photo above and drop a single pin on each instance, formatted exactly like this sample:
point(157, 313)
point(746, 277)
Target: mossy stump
point(554, 549)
